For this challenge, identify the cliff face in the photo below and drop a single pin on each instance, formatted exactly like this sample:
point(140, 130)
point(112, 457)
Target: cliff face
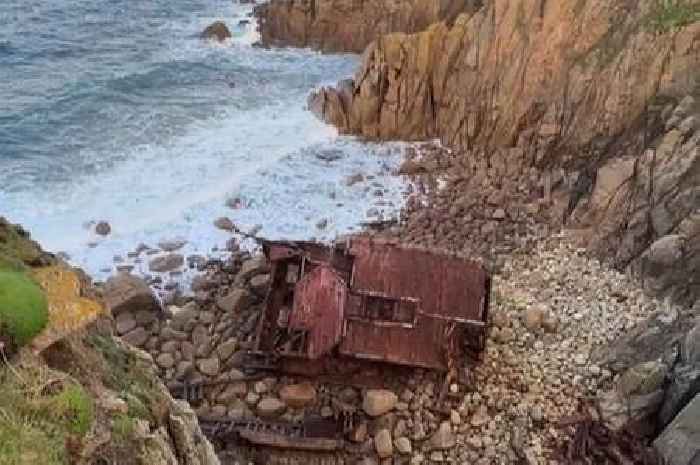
point(350, 25)
point(517, 73)
point(596, 91)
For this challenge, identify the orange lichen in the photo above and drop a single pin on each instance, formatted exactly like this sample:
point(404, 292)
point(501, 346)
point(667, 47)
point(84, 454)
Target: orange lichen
point(68, 311)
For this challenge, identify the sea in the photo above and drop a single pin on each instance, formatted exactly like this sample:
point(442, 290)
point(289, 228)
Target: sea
point(116, 110)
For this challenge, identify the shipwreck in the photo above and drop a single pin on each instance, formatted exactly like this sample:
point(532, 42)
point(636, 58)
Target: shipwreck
point(370, 300)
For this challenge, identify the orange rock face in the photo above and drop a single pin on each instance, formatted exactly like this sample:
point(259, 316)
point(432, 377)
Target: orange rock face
point(554, 75)
point(348, 25)
point(68, 310)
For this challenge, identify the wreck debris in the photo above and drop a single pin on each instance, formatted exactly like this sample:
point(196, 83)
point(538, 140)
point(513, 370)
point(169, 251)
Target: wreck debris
point(593, 443)
point(372, 300)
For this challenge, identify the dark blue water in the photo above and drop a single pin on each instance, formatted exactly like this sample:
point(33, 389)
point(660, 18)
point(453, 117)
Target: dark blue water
point(116, 110)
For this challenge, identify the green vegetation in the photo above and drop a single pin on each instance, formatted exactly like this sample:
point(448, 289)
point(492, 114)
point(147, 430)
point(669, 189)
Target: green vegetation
point(123, 427)
point(129, 378)
point(22, 441)
point(73, 407)
point(672, 14)
point(16, 248)
point(23, 307)
point(40, 413)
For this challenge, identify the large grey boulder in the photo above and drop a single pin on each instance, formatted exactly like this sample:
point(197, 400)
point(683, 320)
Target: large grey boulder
point(125, 292)
point(235, 301)
point(637, 398)
point(679, 443)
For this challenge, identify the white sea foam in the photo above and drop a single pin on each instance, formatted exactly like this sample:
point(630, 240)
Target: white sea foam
point(262, 146)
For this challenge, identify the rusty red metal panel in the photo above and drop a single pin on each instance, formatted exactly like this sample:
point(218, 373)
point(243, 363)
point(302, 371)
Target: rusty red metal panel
point(319, 302)
point(422, 345)
point(447, 286)
point(379, 301)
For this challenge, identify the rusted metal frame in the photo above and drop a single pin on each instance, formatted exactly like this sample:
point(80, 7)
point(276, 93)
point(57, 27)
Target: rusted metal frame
point(380, 358)
point(270, 291)
point(384, 323)
point(462, 321)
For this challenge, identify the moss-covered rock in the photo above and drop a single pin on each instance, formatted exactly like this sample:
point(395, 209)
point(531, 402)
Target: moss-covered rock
point(23, 307)
point(17, 250)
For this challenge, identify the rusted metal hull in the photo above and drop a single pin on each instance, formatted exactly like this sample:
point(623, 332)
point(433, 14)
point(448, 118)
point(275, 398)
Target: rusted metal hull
point(283, 442)
point(372, 300)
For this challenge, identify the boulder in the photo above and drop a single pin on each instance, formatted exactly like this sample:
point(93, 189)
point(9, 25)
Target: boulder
point(679, 443)
point(127, 293)
point(403, 445)
point(443, 438)
point(168, 262)
point(103, 228)
point(637, 411)
point(183, 315)
point(216, 31)
point(136, 337)
point(534, 317)
point(224, 223)
point(235, 301)
point(172, 245)
point(253, 267)
point(226, 349)
point(298, 395)
point(125, 322)
point(165, 360)
point(270, 407)
point(383, 444)
point(642, 379)
point(202, 283)
point(377, 402)
point(209, 366)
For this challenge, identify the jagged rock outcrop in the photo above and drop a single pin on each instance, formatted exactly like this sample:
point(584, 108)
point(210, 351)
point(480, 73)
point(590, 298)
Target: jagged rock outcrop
point(643, 212)
point(555, 75)
point(579, 88)
point(348, 25)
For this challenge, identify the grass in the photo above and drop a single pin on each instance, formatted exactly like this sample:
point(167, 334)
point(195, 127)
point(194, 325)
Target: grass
point(23, 442)
point(40, 413)
point(127, 377)
point(74, 408)
point(23, 307)
point(16, 249)
point(672, 14)
point(123, 427)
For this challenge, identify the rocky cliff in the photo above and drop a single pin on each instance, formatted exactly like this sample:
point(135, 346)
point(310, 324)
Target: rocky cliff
point(74, 393)
point(349, 25)
point(600, 93)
